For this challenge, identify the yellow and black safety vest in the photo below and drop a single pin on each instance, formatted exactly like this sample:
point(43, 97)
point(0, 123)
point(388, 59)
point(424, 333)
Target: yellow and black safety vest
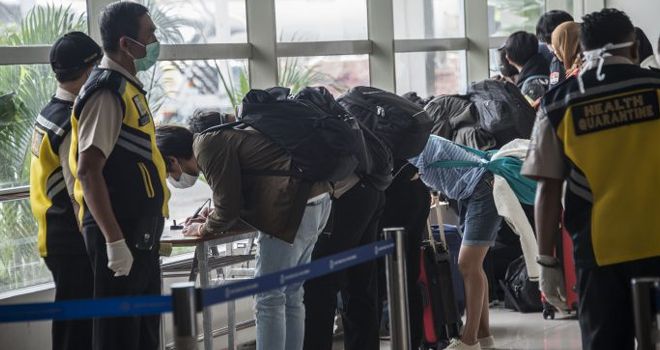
point(611, 138)
point(49, 198)
point(135, 170)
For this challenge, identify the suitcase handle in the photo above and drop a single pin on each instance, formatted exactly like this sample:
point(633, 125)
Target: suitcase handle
point(435, 209)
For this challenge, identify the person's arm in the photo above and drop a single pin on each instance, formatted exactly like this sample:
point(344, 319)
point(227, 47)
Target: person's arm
point(97, 198)
point(222, 170)
point(99, 127)
point(545, 163)
point(547, 214)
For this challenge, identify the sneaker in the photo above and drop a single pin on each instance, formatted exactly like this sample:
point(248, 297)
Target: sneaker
point(457, 344)
point(338, 328)
point(487, 342)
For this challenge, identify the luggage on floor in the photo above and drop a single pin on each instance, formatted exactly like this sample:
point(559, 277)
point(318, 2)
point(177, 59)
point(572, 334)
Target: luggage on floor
point(453, 237)
point(520, 293)
point(322, 146)
point(402, 125)
point(442, 316)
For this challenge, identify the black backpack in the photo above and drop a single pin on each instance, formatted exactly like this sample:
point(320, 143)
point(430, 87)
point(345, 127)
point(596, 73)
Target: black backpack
point(321, 145)
point(520, 293)
point(456, 118)
point(374, 158)
point(503, 110)
point(402, 125)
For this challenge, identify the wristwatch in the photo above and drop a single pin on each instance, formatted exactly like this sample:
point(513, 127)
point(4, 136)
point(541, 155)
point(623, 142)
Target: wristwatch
point(547, 261)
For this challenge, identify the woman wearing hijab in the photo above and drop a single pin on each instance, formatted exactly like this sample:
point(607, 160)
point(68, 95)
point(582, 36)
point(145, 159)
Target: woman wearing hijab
point(566, 43)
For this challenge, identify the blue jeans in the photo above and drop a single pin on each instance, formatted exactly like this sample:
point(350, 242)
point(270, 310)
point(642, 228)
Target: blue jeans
point(481, 218)
point(280, 313)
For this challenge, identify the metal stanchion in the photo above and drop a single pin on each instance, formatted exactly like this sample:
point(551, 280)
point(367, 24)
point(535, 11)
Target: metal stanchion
point(643, 290)
point(184, 315)
point(397, 290)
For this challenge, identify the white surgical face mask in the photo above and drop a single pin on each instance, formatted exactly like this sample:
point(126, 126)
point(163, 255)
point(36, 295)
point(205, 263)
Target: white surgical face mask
point(596, 58)
point(185, 180)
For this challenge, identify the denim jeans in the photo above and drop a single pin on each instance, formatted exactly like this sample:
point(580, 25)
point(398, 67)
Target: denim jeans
point(280, 313)
point(481, 218)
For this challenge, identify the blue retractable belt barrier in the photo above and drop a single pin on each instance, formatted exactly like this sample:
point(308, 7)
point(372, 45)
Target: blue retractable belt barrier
point(157, 304)
point(298, 274)
point(75, 309)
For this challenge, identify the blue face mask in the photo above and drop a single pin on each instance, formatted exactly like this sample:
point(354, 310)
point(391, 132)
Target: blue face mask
point(149, 60)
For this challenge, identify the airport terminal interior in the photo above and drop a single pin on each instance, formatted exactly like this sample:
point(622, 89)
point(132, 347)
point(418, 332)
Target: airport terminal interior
point(329, 174)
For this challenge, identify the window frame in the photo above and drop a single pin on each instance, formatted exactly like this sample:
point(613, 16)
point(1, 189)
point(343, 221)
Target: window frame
point(262, 50)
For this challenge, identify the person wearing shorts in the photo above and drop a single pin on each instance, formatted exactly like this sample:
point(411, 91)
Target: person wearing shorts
point(473, 188)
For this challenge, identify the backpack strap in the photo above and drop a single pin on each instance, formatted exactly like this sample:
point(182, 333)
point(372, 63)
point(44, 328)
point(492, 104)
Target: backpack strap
point(101, 79)
point(253, 172)
point(223, 127)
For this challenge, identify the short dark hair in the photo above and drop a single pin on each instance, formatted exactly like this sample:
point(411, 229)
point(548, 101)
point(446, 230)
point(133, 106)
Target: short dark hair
point(120, 19)
point(203, 119)
point(605, 26)
point(174, 141)
point(505, 68)
point(521, 46)
point(548, 22)
point(72, 75)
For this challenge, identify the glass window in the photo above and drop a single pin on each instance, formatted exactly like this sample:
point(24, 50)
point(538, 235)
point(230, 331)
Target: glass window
point(508, 16)
point(493, 62)
point(431, 73)
point(428, 19)
point(199, 21)
point(40, 21)
point(337, 73)
point(321, 20)
point(177, 88)
point(20, 263)
point(24, 91)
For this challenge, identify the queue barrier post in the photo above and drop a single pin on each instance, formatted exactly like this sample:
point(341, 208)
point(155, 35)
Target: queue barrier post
point(645, 311)
point(397, 290)
point(184, 315)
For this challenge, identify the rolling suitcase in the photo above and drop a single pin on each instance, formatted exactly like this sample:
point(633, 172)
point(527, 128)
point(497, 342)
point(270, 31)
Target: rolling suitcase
point(442, 317)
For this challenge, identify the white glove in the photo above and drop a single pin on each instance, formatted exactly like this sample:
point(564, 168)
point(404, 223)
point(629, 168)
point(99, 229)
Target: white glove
point(120, 258)
point(551, 282)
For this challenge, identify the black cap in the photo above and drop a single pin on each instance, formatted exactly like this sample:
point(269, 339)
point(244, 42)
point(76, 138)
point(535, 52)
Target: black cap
point(73, 51)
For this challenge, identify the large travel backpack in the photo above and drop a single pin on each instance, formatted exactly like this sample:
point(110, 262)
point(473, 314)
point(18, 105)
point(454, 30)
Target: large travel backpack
point(521, 294)
point(455, 118)
point(402, 125)
point(503, 110)
point(374, 158)
point(322, 146)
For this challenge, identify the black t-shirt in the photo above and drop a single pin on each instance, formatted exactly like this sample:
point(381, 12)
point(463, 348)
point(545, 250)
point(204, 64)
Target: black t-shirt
point(557, 71)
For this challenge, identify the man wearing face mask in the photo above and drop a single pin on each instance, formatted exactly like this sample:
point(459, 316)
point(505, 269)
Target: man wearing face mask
point(288, 214)
point(120, 184)
point(598, 132)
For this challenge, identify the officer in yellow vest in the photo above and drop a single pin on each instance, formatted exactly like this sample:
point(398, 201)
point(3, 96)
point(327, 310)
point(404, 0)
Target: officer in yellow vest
point(600, 133)
point(72, 58)
point(120, 183)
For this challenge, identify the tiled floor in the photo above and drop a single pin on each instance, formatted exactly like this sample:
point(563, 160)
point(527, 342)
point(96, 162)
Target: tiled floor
point(516, 331)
